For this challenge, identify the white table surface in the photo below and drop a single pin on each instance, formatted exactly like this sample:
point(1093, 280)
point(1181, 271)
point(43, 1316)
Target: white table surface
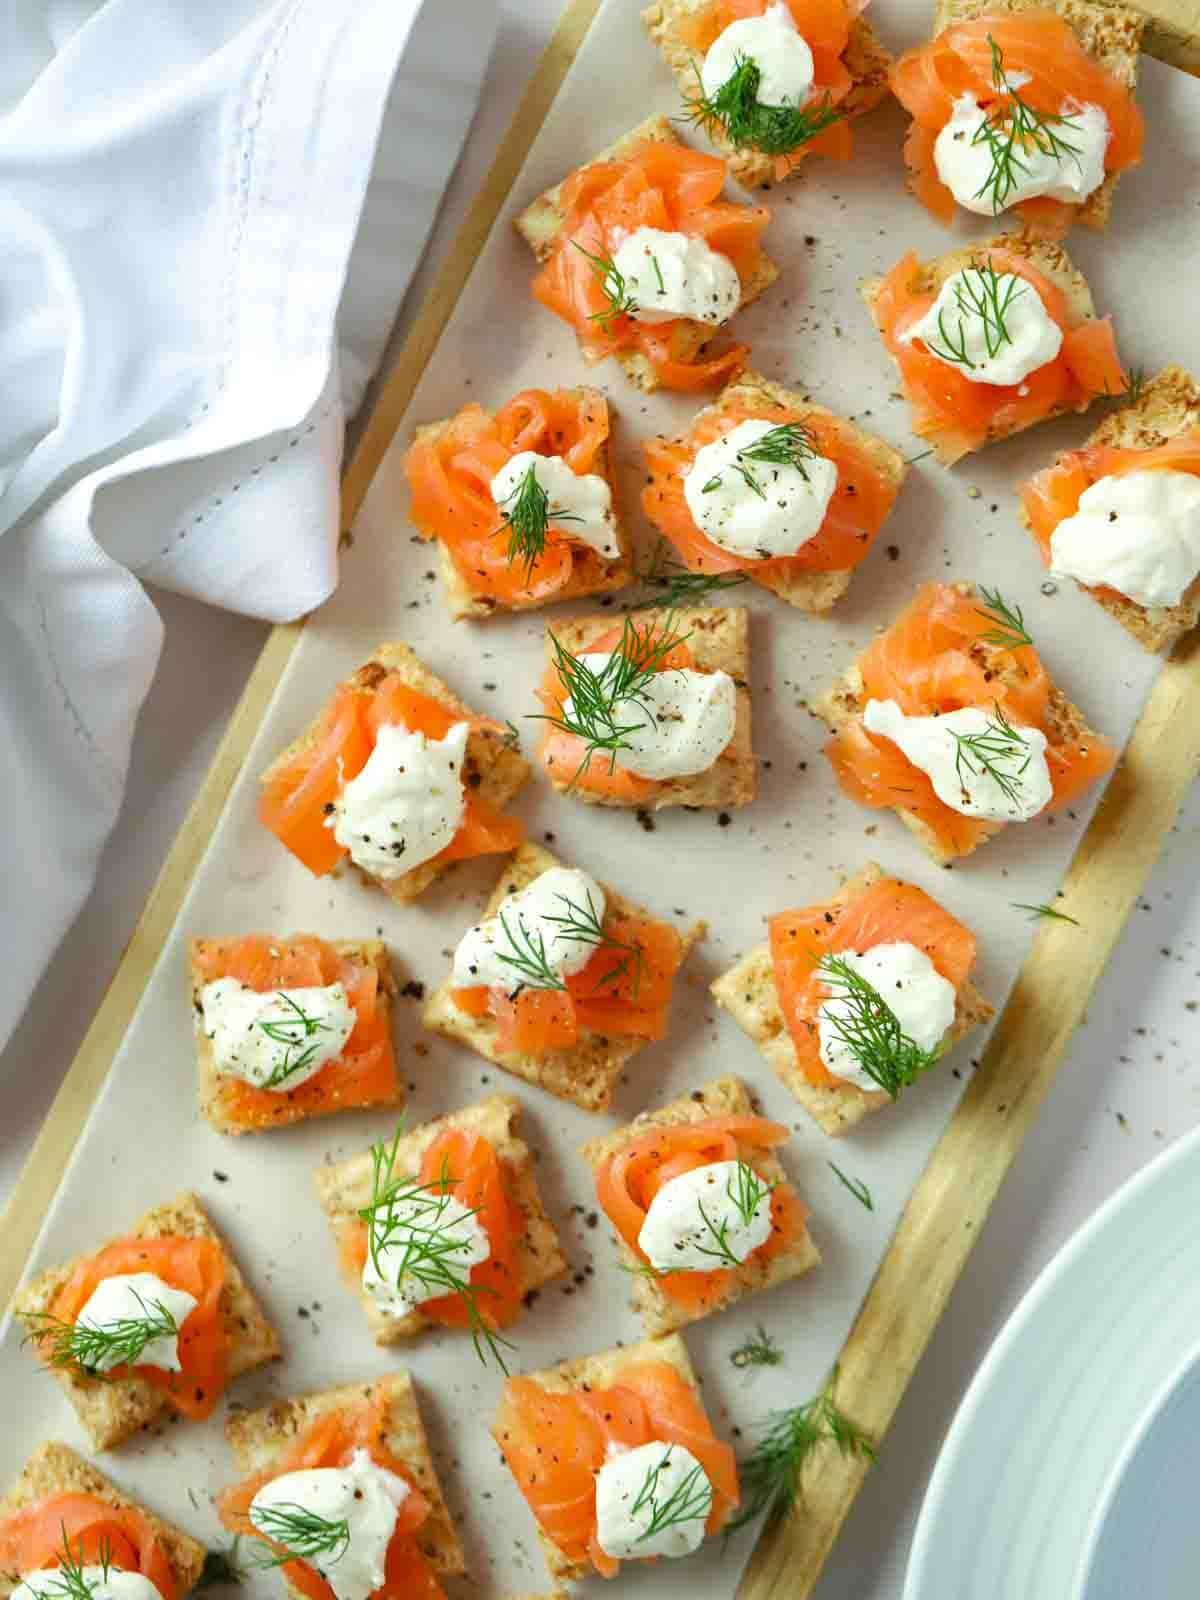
point(1131, 1083)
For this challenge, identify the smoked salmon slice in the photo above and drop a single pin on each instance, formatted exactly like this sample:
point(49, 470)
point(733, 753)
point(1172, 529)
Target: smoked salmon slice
point(860, 505)
point(936, 657)
point(555, 1442)
point(1042, 57)
point(958, 415)
point(450, 468)
point(299, 789)
point(331, 1442)
point(365, 1072)
point(38, 1537)
point(628, 1180)
point(653, 182)
point(195, 1265)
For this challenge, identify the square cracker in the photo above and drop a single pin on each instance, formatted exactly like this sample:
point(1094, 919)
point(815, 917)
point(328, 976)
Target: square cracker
point(586, 1074)
point(590, 572)
point(344, 1189)
point(599, 1372)
point(492, 768)
point(370, 952)
point(747, 991)
point(1049, 258)
point(1168, 405)
point(723, 1097)
point(55, 1469)
point(807, 591)
point(864, 58)
point(1110, 32)
point(259, 1438)
point(539, 226)
point(112, 1409)
point(845, 700)
point(719, 639)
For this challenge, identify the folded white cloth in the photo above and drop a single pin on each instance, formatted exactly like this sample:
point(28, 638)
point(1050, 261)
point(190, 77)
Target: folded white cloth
point(195, 285)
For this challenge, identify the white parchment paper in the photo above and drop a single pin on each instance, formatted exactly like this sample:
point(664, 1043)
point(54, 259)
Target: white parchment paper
point(145, 1139)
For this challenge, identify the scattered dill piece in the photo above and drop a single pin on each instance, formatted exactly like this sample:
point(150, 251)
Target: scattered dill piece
point(855, 1185)
point(679, 586)
point(1009, 631)
point(870, 1030)
point(1047, 913)
point(760, 1350)
point(735, 111)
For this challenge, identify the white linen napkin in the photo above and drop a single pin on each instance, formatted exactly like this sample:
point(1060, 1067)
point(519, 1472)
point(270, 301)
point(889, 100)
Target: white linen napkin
point(196, 283)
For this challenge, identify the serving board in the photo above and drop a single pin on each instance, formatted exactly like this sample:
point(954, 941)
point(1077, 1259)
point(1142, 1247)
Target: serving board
point(934, 1162)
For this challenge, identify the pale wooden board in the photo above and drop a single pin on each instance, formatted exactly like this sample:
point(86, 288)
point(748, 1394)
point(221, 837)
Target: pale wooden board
point(934, 1237)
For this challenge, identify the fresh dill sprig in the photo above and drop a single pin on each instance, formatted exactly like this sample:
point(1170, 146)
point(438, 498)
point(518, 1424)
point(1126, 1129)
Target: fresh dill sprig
point(680, 586)
point(745, 1190)
point(70, 1581)
point(735, 111)
point(293, 1032)
point(978, 294)
point(1044, 913)
point(998, 749)
point(526, 515)
point(690, 1498)
point(614, 286)
point(305, 1535)
point(582, 925)
point(526, 955)
point(855, 1185)
point(1134, 388)
point(1011, 130)
point(870, 1030)
point(788, 445)
point(512, 735)
point(1009, 631)
point(115, 1344)
point(404, 1212)
point(598, 699)
point(760, 1350)
point(772, 1474)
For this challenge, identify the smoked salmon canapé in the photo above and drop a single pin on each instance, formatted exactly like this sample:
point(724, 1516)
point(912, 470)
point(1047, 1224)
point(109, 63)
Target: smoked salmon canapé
point(644, 259)
point(767, 485)
point(398, 775)
point(950, 719)
point(340, 1492)
point(521, 502)
point(563, 981)
point(651, 712)
point(156, 1323)
point(62, 1524)
point(852, 999)
point(992, 340)
point(293, 1028)
point(772, 82)
point(700, 1205)
point(616, 1458)
point(1025, 106)
point(1121, 516)
point(443, 1226)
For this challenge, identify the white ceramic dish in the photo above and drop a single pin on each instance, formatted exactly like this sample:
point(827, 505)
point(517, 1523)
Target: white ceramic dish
point(1071, 1379)
point(1145, 1535)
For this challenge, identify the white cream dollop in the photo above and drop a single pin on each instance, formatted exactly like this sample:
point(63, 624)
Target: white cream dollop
point(363, 1495)
point(921, 1000)
point(776, 47)
point(679, 723)
point(407, 802)
point(285, 1035)
point(934, 744)
point(402, 1278)
point(676, 275)
point(783, 513)
point(677, 1235)
point(647, 1477)
point(582, 500)
point(101, 1583)
point(532, 917)
point(1138, 533)
point(132, 1297)
point(963, 319)
point(963, 158)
